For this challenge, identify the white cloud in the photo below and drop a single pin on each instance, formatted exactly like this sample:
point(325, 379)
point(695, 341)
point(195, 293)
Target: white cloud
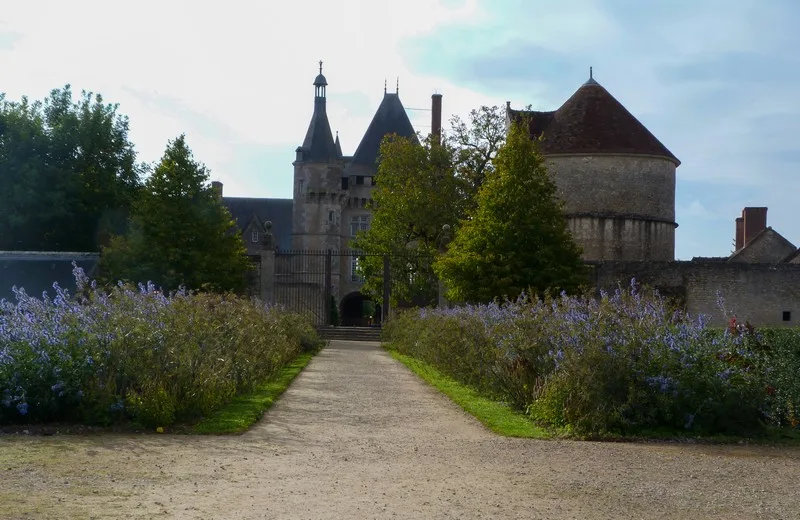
point(247, 65)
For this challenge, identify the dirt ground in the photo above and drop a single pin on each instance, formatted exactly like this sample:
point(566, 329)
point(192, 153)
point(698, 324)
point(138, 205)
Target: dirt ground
point(359, 436)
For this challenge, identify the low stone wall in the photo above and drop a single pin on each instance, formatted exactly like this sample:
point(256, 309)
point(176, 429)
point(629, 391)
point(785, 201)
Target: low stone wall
point(760, 293)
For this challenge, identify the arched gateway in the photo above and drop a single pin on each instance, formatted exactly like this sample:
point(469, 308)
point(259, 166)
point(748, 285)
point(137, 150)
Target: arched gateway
point(358, 310)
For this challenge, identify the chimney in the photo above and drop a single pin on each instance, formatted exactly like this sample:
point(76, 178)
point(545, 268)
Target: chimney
point(217, 187)
point(754, 222)
point(739, 233)
point(436, 117)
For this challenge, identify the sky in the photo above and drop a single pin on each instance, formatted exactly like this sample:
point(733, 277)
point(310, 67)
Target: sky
point(715, 81)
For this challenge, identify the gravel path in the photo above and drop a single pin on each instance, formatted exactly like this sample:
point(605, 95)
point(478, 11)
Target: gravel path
point(358, 436)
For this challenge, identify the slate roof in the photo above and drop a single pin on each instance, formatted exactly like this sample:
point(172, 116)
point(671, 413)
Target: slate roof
point(338, 146)
point(36, 271)
point(318, 146)
point(592, 121)
point(791, 257)
point(278, 211)
point(390, 118)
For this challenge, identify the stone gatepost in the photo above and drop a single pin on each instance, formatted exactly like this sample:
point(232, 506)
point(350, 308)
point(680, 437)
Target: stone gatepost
point(267, 289)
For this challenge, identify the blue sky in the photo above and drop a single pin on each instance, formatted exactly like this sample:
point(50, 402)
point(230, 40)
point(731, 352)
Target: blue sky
point(715, 81)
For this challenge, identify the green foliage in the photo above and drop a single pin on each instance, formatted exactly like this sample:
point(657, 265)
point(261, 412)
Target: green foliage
point(180, 233)
point(420, 189)
point(335, 320)
point(416, 193)
point(135, 354)
point(517, 237)
point(624, 364)
point(475, 145)
point(69, 170)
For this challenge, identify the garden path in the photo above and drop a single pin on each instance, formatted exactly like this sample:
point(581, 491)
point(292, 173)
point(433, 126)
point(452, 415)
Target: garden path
point(359, 436)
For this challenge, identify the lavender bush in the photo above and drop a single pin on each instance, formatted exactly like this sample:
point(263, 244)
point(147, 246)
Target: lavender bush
point(623, 363)
point(133, 353)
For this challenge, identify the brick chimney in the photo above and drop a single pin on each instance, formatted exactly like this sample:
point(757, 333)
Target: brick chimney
point(217, 187)
point(436, 117)
point(754, 222)
point(739, 233)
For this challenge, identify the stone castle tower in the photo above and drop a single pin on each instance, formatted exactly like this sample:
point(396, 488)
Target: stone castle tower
point(616, 178)
point(332, 191)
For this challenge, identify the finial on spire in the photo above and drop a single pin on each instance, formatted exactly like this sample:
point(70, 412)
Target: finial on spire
point(320, 66)
point(384, 85)
point(397, 88)
point(590, 72)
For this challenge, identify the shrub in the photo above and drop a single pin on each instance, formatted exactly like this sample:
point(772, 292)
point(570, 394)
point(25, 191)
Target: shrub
point(134, 353)
point(621, 363)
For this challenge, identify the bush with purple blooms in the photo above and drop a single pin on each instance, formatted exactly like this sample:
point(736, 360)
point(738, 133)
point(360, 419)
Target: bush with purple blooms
point(622, 363)
point(135, 354)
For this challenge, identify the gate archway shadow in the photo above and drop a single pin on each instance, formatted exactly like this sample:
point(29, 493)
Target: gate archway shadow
point(358, 310)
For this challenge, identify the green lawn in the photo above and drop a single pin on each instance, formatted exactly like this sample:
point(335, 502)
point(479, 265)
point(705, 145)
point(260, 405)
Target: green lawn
point(245, 410)
point(497, 416)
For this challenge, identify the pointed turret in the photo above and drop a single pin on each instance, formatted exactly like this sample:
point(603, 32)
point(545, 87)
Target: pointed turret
point(391, 118)
point(338, 146)
point(318, 146)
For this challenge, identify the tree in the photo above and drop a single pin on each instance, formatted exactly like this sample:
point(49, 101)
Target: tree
point(416, 193)
point(420, 188)
point(70, 170)
point(180, 233)
point(516, 239)
point(476, 146)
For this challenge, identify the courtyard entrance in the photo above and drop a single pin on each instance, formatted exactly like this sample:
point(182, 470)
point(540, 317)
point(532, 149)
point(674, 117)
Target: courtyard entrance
point(358, 310)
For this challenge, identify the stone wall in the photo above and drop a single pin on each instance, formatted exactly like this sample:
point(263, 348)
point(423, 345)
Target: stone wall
point(760, 293)
point(620, 207)
point(623, 239)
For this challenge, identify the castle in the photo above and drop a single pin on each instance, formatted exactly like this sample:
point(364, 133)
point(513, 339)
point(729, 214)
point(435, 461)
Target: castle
point(617, 181)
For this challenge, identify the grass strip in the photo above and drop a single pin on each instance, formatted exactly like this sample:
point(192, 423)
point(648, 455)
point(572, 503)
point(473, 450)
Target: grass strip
point(245, 410)
point(496, 416)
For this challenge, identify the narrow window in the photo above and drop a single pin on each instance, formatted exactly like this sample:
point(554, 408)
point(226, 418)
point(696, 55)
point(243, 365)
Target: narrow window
point(330, 216)
point(345, 182)
point(254, 237)
point(787, 315)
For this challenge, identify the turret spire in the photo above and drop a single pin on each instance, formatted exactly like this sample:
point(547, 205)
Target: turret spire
point(318, 145)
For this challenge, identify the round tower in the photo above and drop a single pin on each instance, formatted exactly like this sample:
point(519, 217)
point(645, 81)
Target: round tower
point(616, 179)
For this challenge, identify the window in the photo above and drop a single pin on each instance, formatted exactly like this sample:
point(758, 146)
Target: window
point(302, 185)
point(355, 276)
point(345, 182)
point(787, 315)
point(358, 223)
point(372, 181)
point(330, 216)
point(360, 180)
point(254, 237)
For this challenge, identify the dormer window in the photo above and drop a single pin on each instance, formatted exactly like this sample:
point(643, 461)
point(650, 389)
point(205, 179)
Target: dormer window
point(254, 237)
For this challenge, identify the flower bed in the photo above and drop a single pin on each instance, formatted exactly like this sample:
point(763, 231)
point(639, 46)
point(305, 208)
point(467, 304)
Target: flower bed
point(622, 363)
point(133, 353)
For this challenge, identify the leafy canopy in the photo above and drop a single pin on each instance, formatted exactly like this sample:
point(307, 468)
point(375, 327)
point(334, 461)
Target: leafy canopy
point(516, 238)
point(69, 172)
point(180, 232)
point(420, 189)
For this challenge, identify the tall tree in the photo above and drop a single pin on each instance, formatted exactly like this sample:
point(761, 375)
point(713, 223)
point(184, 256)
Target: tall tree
point(180, 233)
point(417, 192)
point(476, 144)
point(74, 168)
point(420, 189)
point(516, 239)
